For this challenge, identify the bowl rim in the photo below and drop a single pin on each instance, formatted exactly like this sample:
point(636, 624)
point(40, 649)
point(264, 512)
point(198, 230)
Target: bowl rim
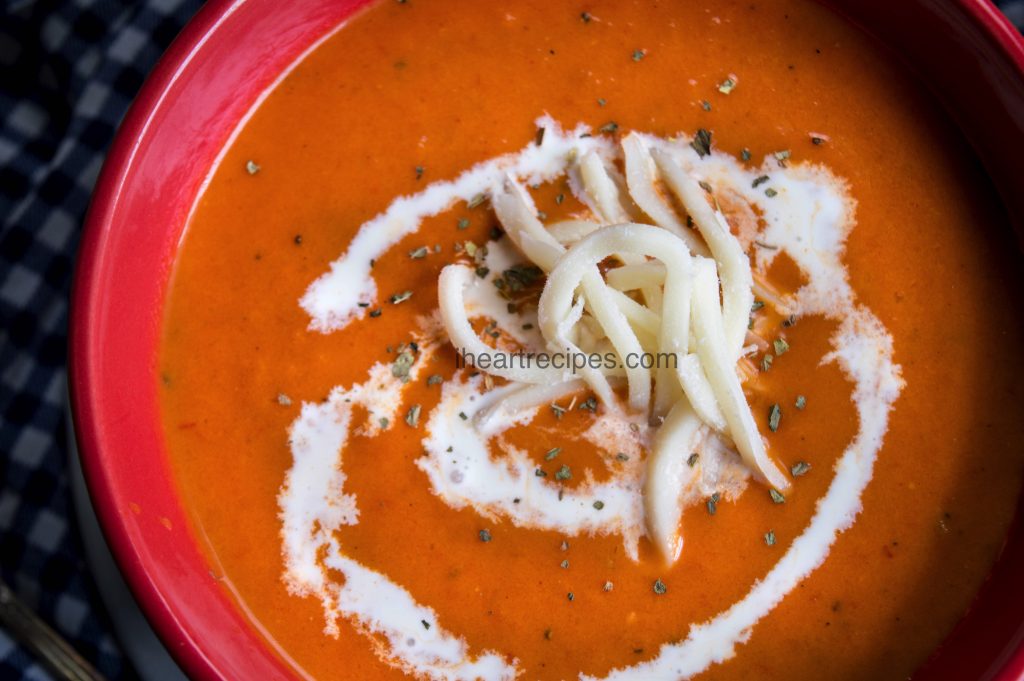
point(87, 298)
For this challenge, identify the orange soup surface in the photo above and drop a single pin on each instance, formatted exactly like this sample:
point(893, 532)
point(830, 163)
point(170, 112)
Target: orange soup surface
point(411, 95)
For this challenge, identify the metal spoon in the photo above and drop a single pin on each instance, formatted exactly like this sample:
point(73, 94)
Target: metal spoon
point(56, 654)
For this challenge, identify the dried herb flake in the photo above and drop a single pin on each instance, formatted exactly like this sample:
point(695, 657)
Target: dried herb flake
point(413, 416)
point(712, 503)
point(702, 142)
point(402, 364)
point(799, 468)
point(727, 85)
point(401, 297)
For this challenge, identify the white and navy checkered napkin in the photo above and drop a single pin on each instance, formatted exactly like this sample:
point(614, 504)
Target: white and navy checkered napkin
point(68, 71)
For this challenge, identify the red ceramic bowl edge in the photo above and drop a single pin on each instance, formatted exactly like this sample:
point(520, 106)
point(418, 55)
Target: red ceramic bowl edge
point(998, 26)
point(86, 297)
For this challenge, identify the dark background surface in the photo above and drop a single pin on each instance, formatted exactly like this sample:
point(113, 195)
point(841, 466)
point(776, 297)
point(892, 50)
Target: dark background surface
point(68, 71)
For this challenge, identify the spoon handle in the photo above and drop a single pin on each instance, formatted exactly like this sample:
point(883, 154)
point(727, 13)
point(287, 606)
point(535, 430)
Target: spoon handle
point(59, 658)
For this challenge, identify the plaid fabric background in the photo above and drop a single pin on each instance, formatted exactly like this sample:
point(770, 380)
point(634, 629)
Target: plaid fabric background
point(68, 71)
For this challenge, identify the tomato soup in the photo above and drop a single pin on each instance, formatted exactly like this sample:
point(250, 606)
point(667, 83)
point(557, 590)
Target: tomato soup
point(615, 340)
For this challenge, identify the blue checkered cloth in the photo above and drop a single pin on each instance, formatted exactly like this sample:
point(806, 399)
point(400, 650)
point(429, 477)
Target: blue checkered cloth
point(68, 71)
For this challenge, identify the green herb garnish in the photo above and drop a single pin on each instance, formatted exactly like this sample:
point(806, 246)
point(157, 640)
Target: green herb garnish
point(563, 473)
point(400, 367)
point(776, 496)
point(799, 468)
point(769, 538)
point(774, 416)
point(659, 587)
point(485, 536)
point(702, 142)
point(781, 346)
point(518, 278)
point(801, 401)
point(401, 297)
point(552, 453)
point(413, 416)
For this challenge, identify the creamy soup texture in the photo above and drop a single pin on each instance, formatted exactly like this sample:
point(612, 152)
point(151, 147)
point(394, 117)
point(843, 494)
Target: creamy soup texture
point(754, 190)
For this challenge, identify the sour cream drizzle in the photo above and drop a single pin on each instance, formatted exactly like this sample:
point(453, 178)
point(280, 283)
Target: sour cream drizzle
point(808, 217)
point(314, 506)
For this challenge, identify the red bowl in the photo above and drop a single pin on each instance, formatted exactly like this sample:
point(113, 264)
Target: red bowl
point(965, 50)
